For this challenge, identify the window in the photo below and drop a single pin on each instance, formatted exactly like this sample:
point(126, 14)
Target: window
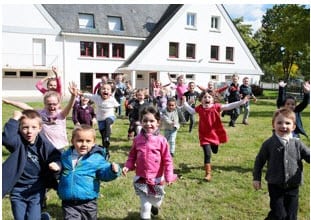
point(118, 50)
point(100, 75)
point(86, 21)
point(115, 23)
point(190, 76)
point(173, 50)
point(190, 53)
point(215, 22)
point(229, 53)
point(86, 48)
point(140, 76)
point(102, 49)
point(10, 74)
point(41, 74)
point(191, 20)
point(26, 74)
point(215, 52)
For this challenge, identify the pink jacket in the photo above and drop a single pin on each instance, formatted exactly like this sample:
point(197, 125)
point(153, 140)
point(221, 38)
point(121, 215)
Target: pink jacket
point(150, 157)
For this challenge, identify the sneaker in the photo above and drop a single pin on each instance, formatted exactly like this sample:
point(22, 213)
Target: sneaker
point(245, 122)
point(45, 216)
point(154, 210)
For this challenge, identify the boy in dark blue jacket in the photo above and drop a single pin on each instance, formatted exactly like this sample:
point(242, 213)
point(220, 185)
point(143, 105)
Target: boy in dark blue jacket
point(25, 173)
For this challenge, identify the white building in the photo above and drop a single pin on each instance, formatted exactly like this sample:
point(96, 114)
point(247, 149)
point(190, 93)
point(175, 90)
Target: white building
point(143, 42)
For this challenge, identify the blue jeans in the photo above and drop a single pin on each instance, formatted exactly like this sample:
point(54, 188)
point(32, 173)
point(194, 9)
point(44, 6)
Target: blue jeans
point(170, 136)
point(26, 205)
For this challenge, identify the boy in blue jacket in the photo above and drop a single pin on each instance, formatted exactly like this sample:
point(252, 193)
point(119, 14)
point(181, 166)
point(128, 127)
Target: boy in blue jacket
point(82, 168)
point(25, 173)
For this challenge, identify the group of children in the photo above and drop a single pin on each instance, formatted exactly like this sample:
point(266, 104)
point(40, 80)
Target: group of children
point(37, 140)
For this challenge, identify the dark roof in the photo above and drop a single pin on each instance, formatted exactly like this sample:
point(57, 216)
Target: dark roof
point(138, 19)
point(170, 12)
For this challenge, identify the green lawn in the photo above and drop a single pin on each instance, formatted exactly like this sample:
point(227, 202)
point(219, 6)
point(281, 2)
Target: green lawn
point(230, 194)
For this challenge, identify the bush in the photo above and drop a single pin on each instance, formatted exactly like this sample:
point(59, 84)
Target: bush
point(257, 90)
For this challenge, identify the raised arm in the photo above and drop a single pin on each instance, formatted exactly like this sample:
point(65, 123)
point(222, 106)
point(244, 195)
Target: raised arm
point(306, 98)
point(281, 95)
point(39, 84)
point(20, 105)
point(229, 106)
point(74, 92)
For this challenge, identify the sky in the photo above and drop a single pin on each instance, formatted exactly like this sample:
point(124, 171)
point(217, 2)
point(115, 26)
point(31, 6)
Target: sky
point(251, 13)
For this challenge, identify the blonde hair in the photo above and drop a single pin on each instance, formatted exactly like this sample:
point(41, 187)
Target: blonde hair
point(287, 113)
point(83, 127)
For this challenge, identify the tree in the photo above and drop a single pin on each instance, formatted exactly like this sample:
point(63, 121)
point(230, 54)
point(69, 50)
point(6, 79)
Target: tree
point(245, 31)
point(285, 38)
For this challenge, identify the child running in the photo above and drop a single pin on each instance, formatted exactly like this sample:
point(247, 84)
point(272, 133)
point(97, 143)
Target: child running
point(284, 156)
point(150, 158)
point(105, 107)
point(290, 102)
point(83, 166)
point(26, 173)
point(171, 124)
point(53, 117)
point(52, 83)
point(83, 112)
point(211, 131)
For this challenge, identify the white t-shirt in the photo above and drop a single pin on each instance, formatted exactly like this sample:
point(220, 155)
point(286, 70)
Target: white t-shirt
point(104, 108)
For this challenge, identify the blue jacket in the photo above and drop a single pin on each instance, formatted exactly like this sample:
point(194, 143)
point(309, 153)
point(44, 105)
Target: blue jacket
point(14, 165)
point(83, 181)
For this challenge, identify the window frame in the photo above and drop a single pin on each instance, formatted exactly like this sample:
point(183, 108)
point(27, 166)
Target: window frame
point(217, 52)
point(115, 23)
point(89, 18)
point(215, 22)
point(173, 54)
point(193, 53)
point(230, 54)
point(104, 49)
point(191, 20)
point(118, 50)
point(86, 47)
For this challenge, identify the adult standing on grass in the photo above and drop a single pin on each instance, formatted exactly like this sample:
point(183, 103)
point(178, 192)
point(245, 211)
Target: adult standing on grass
point(82, 168)
point(150, 158)
point(54, 118)
point(211, 131)
point(290, 102)
point(284, 156)
point(26, 173)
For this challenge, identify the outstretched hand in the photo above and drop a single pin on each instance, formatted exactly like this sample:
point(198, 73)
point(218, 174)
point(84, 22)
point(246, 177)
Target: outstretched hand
point(73, 89)
point(306, 87)
point(282, 83)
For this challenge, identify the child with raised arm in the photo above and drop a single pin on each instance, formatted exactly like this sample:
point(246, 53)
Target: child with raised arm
point(211, 131)
point(25, 173)
point(53, 83)
point(53, 117)
point(150, 158)
point(83, 166)
point(283, 155)
point(105, 108)
point(290, 102)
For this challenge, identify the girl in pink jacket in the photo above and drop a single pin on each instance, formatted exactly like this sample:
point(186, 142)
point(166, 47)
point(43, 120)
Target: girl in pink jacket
point(150, 158)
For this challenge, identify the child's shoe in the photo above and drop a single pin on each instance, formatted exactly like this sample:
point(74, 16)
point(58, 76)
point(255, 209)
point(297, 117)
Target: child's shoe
point(154, 210)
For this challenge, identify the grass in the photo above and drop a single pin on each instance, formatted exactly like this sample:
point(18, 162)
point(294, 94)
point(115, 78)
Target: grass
point(230, 194)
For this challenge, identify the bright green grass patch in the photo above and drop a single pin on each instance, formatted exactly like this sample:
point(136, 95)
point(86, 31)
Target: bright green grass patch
point(230, 194)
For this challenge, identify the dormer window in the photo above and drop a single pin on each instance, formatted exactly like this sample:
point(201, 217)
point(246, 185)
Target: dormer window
point(86, 21)
point(115, 23)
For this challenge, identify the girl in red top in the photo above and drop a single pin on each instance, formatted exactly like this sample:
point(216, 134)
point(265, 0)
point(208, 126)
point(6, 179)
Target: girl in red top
point(211, 131)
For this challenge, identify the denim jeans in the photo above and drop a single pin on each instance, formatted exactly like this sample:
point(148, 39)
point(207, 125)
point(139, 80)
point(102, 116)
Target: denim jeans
point(26, 204)
point(170, 136)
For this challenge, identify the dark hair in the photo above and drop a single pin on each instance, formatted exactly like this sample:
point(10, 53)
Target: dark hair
point(151, 110)
point(210, 92)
